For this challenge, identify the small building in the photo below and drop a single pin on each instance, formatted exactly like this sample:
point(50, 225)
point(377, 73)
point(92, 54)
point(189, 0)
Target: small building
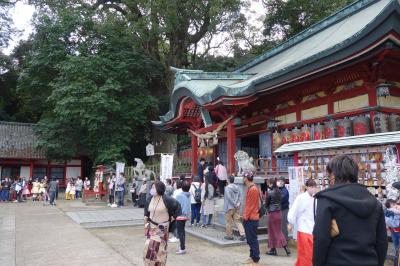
point(340, 78)
point(19, 156)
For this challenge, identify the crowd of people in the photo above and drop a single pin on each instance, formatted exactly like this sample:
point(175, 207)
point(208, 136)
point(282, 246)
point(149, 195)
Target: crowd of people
point(20, 189)
point(44, 189)
point(342, 225)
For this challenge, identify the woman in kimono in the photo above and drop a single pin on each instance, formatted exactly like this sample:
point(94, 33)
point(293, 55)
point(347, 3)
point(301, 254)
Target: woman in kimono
point(158, 212)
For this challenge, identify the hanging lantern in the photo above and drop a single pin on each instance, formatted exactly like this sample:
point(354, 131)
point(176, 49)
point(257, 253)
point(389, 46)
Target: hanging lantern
point(394, 122)
point(381, 124)
point(330, 130)
point(361, 125)
point(286, 136)
point(318, 132)
point(277, 140)
point(383, 90)
point(305, 134)
point(295, 136)
point(344, 128)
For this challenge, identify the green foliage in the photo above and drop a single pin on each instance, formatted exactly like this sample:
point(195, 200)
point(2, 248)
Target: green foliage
point(6, 27)
point(286, 18)
point(91, 82)
point(169, 29)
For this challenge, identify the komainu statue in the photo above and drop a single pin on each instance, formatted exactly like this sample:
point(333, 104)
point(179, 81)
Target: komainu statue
point(244, 162)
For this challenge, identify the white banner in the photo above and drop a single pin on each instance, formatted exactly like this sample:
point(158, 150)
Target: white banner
point(120, 168)
point(150, 149)
point(167, 162)
point(296, 181)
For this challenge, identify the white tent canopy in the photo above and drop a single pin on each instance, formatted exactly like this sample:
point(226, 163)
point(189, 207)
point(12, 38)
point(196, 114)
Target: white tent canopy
point(361, 140)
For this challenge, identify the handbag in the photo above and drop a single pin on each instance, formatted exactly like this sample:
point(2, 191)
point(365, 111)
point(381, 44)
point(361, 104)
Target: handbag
point(334, 228)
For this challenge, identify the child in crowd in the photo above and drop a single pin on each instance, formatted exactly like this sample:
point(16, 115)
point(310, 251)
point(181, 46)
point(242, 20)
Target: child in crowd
point(392, 217)
point(72, 190)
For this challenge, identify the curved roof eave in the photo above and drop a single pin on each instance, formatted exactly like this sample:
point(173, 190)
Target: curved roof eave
point(251, 86)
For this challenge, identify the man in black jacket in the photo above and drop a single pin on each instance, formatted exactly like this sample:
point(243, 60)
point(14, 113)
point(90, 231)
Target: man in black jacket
point(360, 238)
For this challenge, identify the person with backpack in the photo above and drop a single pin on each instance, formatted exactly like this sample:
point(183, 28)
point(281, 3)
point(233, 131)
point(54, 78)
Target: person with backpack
point(207, 200)
point(195, 200)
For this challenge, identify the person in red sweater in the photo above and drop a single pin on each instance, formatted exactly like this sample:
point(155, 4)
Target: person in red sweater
point(251, 218)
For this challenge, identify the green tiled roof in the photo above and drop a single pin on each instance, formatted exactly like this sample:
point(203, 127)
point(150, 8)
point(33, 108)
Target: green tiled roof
point(335, 38)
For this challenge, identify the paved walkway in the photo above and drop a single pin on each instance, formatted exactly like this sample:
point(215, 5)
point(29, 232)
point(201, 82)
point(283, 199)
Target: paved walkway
point(43, 235)
point(33, 234)
point(107, 218)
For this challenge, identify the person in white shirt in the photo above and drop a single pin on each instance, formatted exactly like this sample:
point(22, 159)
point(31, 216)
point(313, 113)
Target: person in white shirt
point(301, 215)
point(222, 174)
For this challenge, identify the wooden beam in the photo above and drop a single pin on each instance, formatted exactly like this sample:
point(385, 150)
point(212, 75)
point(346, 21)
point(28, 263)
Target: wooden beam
point(231, 147)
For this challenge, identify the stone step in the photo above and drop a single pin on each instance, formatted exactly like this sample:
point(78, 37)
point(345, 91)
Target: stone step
point(107, 224)
point(216, 236)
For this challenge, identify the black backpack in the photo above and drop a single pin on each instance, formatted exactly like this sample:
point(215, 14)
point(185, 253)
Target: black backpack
point(197, 194)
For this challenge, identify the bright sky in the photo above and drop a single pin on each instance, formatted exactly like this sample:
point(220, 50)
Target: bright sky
point(22, 14)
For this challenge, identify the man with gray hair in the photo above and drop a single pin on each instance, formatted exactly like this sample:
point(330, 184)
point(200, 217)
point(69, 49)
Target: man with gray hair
point(232, 199)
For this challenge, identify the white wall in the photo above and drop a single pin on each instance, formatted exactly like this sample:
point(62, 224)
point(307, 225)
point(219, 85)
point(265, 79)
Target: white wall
point(73, 172)
point(74, 162)
point(25, 171)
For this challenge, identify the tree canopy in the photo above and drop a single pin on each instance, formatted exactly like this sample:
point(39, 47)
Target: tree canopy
point(94, 73)
point(90, 82)
point(285, 18)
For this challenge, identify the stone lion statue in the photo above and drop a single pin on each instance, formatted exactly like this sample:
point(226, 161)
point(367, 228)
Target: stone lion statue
point(244, 162)
point(141, 171)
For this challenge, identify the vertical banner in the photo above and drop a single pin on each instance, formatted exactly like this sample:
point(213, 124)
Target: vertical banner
point(167, 161)
point(120, 168)
point(296, 181)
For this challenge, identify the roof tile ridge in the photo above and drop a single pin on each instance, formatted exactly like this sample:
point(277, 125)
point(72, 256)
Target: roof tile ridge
point(336, 17)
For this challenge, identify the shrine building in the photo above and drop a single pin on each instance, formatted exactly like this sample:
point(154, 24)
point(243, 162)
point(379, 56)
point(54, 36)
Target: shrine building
point(333, 88)
point(20, 157)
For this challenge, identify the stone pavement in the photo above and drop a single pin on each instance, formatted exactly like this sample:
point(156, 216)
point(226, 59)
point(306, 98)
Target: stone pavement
point(7, 240)
point(107, 218)
point(43, 235)
point(33, 234)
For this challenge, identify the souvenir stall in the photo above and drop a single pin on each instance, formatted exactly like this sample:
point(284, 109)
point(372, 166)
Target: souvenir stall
point(367, 150)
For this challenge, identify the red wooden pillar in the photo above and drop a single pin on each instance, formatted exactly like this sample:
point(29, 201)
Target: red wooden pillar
point(194, 155)
point(231, 147)
point(65, 172)
point(372, 102)
point(296, 158)
point(331, 107)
